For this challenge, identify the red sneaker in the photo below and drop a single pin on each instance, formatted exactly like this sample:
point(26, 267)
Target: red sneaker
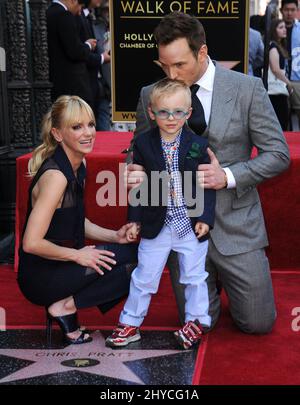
point(122, 335)
point(190, 334)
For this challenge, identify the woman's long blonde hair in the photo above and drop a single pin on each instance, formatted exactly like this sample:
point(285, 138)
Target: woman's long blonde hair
point(65, 112)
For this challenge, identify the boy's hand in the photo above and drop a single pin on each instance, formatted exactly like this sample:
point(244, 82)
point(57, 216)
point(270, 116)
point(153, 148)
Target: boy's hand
point(201, 229)
point(132, 232)
point(121, 234)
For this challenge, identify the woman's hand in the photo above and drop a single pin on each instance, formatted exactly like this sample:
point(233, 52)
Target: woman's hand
point(89, 256)
point(122, 232)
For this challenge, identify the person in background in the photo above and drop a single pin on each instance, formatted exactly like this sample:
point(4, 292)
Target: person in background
point(257, 22)
point(256, 53)
point(68, 55)
point(279, 86)
point(289, 10)
point(102, 33)
point(96, 61)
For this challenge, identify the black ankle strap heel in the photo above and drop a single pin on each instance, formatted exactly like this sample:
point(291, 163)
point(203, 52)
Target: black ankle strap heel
point(68, 324)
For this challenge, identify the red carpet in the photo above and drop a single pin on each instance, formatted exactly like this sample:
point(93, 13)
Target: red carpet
point(226, 355)
point(239, 359)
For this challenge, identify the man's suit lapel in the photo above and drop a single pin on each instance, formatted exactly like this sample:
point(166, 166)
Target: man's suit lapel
point(223, 102)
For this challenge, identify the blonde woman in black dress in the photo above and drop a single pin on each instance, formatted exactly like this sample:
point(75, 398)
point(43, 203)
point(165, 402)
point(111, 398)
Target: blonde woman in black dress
point(56, 270)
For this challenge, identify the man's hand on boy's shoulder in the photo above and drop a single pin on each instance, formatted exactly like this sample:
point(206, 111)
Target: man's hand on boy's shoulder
point(211, 175)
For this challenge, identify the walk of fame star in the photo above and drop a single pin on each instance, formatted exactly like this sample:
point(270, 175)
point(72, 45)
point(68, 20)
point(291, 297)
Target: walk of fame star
point(92, 358)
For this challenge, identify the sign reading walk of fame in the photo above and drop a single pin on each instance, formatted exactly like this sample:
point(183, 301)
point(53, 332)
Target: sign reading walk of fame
point(134, 50)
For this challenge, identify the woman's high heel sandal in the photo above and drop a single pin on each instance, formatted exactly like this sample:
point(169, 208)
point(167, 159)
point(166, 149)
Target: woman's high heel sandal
point(68, 324)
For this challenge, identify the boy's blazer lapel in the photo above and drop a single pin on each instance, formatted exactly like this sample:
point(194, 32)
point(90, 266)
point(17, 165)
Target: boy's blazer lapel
point(185, 145)
point(157, 150)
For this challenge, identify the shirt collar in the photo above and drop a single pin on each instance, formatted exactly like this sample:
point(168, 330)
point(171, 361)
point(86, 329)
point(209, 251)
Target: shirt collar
point(176, 140)
point(86, 11)
point(62, 4)
point(207, 80)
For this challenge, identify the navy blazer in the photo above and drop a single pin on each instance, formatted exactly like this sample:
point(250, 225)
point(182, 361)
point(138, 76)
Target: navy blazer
point(148, 152)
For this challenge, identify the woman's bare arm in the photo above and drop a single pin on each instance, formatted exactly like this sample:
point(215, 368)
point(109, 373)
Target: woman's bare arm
point(275, 67)
point(96, 232)
point(51, 187)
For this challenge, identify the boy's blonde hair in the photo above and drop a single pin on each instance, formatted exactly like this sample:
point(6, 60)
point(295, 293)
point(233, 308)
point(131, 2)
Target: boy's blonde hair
point(167, 87)
point(66, 111)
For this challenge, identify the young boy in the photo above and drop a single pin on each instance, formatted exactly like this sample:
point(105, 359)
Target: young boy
point(172, 148)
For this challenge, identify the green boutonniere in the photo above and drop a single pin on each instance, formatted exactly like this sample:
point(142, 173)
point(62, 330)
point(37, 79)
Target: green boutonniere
point(195, 151)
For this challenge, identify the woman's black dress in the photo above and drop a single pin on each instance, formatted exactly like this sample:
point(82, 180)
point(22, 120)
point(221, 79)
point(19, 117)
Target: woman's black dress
point(44, 281)
point(280, 101)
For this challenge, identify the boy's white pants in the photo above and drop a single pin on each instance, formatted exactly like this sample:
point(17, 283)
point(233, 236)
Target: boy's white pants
point(152, 257)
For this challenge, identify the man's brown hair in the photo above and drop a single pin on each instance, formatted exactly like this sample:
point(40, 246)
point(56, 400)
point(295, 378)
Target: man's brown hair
point(180, 25)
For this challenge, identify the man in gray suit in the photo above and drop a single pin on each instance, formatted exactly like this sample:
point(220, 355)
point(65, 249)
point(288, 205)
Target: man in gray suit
point(238, 115)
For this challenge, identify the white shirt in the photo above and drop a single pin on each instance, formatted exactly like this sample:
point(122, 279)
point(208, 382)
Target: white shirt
point(204, 93)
